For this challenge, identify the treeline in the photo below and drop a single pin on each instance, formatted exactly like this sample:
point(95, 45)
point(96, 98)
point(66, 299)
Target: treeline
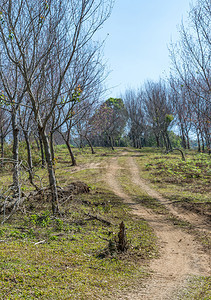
point(150, 115)
point(183, 101)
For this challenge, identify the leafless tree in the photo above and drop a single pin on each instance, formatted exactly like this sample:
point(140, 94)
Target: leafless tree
point(191, 56)
point(41, 42)
point(136, 116)
point(183, 110)
point(158, 111)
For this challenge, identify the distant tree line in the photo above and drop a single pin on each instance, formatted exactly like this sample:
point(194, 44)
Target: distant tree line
point(181, 103)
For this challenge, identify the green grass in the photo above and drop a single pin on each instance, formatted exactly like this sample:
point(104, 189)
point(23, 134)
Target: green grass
point(199, 288)
point(67, 264)
point(187, 184)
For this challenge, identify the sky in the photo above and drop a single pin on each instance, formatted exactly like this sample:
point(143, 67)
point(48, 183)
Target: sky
point(138, 34)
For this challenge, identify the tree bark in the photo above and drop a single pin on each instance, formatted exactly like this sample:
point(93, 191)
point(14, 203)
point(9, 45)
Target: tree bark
point(15, 151)
point(199, 144)
point(2, 149)
point(203, 146)
point(183, 137)
point(90, 144)
point(157, 140)
point(168, 141)
point(52, 147)
point(36, 140)
point(29, 156)
point(42, 151)
point(165, 141)
point(111, 143)
point(71, 153)
point(51, 174)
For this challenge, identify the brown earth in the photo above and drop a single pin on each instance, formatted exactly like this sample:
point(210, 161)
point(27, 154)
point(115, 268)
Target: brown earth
point(181, 256)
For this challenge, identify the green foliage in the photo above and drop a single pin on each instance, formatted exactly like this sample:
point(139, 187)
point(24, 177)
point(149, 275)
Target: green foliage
point(42, 219)
point(175, 140)
point(115, 103)
point(59, 224)
point(2, 97)
point(169, 119)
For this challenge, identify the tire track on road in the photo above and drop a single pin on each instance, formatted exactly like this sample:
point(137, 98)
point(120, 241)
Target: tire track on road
point(181, 257)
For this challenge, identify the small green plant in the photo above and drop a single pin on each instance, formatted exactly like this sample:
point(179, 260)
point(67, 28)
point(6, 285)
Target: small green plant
point(17, 234)
point(41, 220)
point(59, 224)
point(53, 238)
point(2, 232)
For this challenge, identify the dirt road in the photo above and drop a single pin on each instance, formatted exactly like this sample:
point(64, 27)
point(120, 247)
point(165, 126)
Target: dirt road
point(181, 256)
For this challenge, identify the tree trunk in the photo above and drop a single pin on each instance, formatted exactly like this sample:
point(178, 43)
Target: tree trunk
point(52, 147)
point(165, 141)
point(203, 146)
point(51, 174)
point(183, 138)
point(42, 151)
point(168, 141)
point(198, 140)
point(71, 153)
point(36, 140)
point(111, 142)
point(15, 150)
point(187, 139)
point(157, 140)
point(207, 139)
point(90, 144)
point(26, 136)
point(188, 142)
point(2, 149)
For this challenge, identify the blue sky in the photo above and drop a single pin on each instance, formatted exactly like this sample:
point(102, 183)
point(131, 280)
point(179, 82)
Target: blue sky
point(137, 45)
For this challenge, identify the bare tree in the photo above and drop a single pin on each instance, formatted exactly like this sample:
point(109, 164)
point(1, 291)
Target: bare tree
point(41, 41)
point(136, 117)
point(183, 110)
point(191, 56)
point(158, 111)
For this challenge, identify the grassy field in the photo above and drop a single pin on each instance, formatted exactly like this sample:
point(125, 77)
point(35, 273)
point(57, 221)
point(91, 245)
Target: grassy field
point(185, 183)
point(73, 256)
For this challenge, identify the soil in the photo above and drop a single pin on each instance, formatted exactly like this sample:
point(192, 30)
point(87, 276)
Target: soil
point(181, 256)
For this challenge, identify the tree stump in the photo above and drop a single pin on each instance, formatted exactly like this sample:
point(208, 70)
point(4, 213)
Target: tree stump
point(122, 242)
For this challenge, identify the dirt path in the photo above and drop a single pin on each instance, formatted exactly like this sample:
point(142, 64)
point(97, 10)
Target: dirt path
point(180, 257)
point(199, 221)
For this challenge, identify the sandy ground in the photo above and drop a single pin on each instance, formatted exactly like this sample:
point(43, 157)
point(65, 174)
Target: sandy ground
point(181, 256)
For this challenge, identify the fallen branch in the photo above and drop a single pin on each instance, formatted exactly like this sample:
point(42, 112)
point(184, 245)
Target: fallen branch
point(41, 242)
point(171, 150)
